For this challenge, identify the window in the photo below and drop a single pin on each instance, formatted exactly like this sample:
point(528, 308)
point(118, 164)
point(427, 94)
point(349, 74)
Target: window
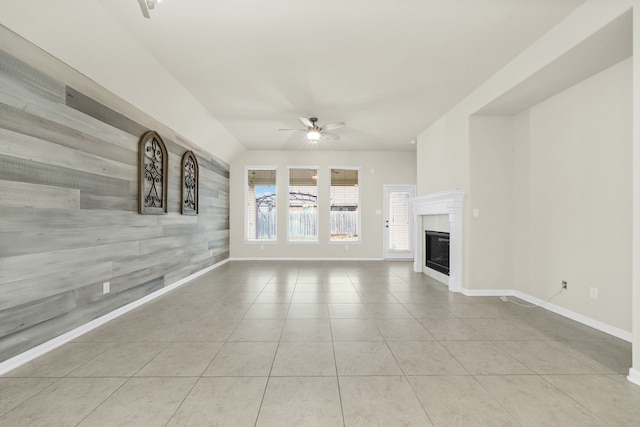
point(261, 204)
point(303, 205)
point(345, 198)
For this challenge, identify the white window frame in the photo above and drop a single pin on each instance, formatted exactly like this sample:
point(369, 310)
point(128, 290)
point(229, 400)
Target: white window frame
point(348, 242)
point(246, 197)
point(303, 242)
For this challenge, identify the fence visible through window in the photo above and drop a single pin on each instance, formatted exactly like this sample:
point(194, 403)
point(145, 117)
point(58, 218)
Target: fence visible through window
point(261, 204)
point(303, 205)
point(344, 225)
point(345, 200)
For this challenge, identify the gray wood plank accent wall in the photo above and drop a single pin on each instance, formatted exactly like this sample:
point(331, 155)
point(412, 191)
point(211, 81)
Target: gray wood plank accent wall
point(68, 210)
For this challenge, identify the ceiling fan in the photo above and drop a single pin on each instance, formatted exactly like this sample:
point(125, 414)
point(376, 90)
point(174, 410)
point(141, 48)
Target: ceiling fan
point(314, 133)
point(147, 5)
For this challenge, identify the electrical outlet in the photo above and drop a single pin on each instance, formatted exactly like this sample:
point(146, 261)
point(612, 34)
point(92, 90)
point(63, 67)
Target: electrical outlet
point(564, 284)
point(593, 292)
point(106, 287)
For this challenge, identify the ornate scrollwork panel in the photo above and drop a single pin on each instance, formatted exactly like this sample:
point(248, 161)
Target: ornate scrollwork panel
point(153, 174)
point(190, 181)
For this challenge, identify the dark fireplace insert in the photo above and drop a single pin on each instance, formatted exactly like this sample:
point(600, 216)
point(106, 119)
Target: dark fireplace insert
point(437, 251)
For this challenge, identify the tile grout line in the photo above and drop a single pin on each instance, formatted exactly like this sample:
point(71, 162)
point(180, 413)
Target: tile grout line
point(335, 362)
point(275, 354)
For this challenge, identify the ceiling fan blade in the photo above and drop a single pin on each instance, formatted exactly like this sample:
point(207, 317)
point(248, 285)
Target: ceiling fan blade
point(295, 130)
point(145, 8)
point(332, 126)
point(306, 122)
point(330, 136)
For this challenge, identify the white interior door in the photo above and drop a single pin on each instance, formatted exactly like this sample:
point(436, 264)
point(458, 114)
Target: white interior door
point(397, 231)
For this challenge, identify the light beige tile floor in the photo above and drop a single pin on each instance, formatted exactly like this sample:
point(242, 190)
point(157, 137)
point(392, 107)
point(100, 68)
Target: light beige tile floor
point(327, 344)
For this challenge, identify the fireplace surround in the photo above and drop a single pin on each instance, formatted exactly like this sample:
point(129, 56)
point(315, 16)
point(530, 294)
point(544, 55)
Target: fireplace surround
point(446, 202)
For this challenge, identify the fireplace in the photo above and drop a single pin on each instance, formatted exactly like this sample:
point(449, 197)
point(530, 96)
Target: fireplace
point(449, 203)
point(437, 251)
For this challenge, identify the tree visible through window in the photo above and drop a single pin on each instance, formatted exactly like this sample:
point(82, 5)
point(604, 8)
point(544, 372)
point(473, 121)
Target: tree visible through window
point(261, 204)
point(345, 198)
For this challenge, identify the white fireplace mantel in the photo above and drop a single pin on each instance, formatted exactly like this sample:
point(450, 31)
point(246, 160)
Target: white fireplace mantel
point(446, 202)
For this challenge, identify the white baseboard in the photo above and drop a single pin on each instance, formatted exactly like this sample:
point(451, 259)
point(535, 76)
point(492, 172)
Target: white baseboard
point(634, 376)
point(487, 292)
point(302, 259)
point(29, 355)
point(596, 324)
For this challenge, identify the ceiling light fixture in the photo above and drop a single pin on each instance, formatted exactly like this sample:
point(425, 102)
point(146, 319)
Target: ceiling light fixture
point(313, 136)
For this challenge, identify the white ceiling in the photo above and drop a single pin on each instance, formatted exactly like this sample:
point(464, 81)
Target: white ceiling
point(388, 68)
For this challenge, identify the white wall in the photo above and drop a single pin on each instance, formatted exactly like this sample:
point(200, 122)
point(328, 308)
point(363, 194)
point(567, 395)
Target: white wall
point(573, 210)
point(491, 195)
point(442, 156)
point(634, 372)
point(377, 169)
point(444, 149)
point(521, 200)
point(549, 184)
point(549, 162)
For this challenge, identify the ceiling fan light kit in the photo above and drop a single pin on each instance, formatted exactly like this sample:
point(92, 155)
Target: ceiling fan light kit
point(313, 136)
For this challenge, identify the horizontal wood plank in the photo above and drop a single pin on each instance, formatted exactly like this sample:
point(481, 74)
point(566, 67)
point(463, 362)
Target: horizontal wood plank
point(17, 219)
point(29, 148)
point(43, 241)
point(45, 86)
point(23, 316)
point(24, 123)
point(79, 101)
point(21, 170)
point(95, 201)
point(171, 242)
point(62, 261)
point(35, 286)
point(24, 195)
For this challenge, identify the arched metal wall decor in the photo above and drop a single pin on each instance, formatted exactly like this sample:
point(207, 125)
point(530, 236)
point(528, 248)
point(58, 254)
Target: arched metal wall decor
point(153, 174)
point(190, 181)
